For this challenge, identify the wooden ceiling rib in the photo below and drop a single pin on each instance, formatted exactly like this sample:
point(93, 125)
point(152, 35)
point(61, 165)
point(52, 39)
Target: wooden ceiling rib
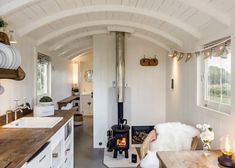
point(174, 21)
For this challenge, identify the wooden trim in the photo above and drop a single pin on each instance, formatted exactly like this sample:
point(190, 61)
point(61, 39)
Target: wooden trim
point(18, 74)
point(65, 101)
point(11, 116)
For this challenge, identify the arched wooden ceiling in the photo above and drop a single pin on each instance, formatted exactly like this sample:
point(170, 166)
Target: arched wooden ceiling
point(166, 23)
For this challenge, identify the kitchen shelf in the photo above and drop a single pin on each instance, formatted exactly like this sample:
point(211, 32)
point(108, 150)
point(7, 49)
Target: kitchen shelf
point(17, 74)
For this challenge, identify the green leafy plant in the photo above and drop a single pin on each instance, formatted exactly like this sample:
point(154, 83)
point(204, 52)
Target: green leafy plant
point(45, 99)
point(3, 23)
point(75, 90)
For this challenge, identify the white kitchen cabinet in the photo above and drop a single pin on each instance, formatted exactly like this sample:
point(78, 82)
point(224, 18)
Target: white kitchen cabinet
point(41, 159)
point(86, 104)
point(58, 152)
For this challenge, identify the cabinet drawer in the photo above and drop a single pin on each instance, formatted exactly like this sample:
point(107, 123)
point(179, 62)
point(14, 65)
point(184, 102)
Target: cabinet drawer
point(42, 158)
point(55, 140)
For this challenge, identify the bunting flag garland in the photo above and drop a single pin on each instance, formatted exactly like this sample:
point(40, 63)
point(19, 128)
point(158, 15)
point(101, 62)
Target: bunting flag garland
point(181, 56)
point(207, 53)
point(218, 50)
point(188, 57)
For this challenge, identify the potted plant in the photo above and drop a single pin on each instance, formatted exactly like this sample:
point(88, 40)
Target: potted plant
point(3, 25)
point(46, 100)
point(75, 91)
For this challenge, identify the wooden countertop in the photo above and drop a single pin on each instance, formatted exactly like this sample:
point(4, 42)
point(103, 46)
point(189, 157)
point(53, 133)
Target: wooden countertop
point(189, 159)
point(69, 99)
point(17, 146)
point(66, 101)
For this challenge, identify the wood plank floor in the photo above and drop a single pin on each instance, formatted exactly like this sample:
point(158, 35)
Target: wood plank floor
point(85, 155)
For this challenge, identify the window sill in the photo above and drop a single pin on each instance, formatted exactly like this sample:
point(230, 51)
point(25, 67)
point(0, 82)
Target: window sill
point(215, 111)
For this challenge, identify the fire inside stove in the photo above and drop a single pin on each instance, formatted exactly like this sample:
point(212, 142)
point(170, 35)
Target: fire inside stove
point(121, 142)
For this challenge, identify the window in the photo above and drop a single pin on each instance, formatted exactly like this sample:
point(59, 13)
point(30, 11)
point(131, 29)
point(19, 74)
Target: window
point(215, 82)
point(43, 75)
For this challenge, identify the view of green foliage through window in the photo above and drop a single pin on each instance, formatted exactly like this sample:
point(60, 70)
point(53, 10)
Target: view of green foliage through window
point(42, 78)
point(218, 84)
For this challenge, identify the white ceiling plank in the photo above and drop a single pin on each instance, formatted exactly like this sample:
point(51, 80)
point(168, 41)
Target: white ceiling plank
point(74, 37)
point(150, 39)
point(13, 6)
point(114, 2)
point(49, 6)
point(209, 10)
point(125, 2)
point(74, 55)
point(98, 2)
point(78, 50)
point(76, 42)
point(80, 55)
point(73, 48)
point(140, 3)
point(109, 22)
point(149, 4)
point(112, 8)
point(133, 3)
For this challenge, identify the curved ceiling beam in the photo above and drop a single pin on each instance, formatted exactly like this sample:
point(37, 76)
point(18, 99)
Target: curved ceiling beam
point(75, 54)
point(110, 8)
point(13, 6)
point(109, 22)
point(68, 39)
point(96, 32)
point(76, 42)
point(204, 7)
point(80, 55)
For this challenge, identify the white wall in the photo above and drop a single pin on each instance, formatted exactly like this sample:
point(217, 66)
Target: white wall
point(147, 84)
point(19, 89)
point(85, 63)
point(145, 92)
point(61, 77)
point(104, 68)
point(182, 101)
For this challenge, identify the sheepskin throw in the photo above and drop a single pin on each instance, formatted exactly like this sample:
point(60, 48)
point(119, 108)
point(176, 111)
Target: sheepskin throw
point(170, 137)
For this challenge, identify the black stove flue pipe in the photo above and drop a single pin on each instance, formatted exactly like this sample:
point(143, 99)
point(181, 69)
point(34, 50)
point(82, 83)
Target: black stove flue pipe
point(120, 113)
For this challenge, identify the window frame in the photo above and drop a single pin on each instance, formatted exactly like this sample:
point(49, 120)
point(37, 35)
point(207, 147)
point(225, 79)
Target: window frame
point(48, 78)
point(202, 90)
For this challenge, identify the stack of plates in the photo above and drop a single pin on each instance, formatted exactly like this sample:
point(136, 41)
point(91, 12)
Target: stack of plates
point(10, 57)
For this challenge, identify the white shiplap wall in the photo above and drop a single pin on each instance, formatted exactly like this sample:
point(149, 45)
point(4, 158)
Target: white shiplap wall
point(145, 92)
point(182, 101)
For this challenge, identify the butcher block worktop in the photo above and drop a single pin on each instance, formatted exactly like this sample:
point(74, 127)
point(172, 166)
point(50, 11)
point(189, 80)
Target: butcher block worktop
point(17, 146)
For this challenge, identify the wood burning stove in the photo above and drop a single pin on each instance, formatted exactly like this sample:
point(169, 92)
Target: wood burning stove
point(121, 140)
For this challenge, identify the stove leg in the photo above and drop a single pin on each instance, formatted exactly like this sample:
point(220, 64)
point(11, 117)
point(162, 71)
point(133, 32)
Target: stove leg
point(126, 154)
point(115, 153)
